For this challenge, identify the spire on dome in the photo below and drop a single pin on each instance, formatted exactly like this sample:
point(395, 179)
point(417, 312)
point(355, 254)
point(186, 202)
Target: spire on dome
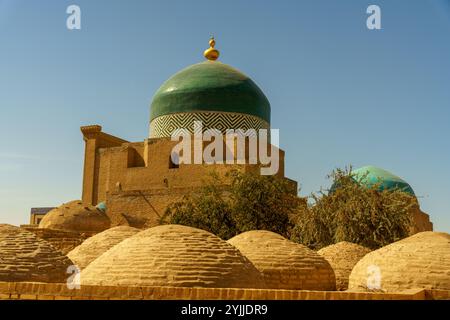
point(211, 53)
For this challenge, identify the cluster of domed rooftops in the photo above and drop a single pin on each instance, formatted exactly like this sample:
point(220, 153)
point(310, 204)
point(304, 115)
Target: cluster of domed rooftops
point(175, 255)
point(180, 256)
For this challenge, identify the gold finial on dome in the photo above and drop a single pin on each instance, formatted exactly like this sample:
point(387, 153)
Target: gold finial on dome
point(211, 53)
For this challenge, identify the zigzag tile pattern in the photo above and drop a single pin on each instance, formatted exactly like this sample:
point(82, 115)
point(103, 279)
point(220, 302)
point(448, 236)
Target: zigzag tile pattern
point(165, 125)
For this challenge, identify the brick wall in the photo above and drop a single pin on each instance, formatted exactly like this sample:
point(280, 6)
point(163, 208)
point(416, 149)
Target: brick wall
point(141, 166)
point(46, 291)
point(136, 178)
point(421, 221)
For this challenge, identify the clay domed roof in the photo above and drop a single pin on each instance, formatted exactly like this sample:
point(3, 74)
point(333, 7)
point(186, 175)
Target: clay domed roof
point(343, 256)
point(24, 257)
point(285, 264)
point(96, 245)
point(75, 216)
point(173, 255)
point(419, 261)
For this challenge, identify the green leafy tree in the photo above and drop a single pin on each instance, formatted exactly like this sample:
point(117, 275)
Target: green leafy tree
point(354, 212)
point(248, 201)
point(206, 209)
point(263, 203)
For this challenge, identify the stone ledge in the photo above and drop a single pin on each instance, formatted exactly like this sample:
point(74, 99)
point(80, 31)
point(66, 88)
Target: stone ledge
point(58, 291)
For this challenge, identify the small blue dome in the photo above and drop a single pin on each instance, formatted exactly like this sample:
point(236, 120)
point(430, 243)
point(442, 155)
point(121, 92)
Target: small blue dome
point(370, 175)
point(101, 206)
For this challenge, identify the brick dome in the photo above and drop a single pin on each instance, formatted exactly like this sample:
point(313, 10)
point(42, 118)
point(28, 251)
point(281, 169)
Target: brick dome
point(343, 256)
point(25, 257)
point(419, 261)
point(76, 216)
point(173, 255)
point(285, 264)
point(96, 245)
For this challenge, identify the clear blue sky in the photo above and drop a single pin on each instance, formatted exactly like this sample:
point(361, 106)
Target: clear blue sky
point(340, 94)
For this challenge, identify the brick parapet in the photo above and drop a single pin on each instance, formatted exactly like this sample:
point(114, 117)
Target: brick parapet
point(51, 291)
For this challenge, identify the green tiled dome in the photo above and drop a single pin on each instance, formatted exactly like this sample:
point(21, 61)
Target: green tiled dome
point(371, 175)
point(210, 86)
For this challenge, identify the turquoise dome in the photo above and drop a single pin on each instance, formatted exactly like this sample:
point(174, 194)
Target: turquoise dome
point(101, 206)
point(210, 86)
point(370, 175)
